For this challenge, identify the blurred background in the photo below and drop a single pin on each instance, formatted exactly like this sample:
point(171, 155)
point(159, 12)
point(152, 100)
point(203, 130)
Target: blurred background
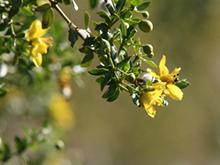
point(119, 133)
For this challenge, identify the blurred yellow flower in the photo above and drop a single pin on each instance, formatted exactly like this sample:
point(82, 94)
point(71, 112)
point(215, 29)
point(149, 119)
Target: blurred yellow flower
point(170, 89)
point(61, 112)
point(39, 44)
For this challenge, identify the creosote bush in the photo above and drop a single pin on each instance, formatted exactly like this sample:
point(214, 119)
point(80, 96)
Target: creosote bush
point(32, 42)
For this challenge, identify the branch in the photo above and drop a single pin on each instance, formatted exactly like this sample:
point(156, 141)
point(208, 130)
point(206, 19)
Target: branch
point(80, 32)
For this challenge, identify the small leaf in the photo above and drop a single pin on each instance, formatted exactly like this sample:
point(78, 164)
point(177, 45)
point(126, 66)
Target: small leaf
point(67, 2)
point(5, 152)
point(123, 28)
point(3, 92)
point(143, 6)
point(104, 15)
point(148, 48)
point(86, 20)
point(127, 66)
point(47, 18)
point(182, 84)
point(107, 44)
point(106, 80)
point(145, 26)
point(151, 63)
point(98, 71)
point(15, 8)
point(134, 2)
point(111, 90)
point(120, 4)
point(114, 96)
point(27, 11)
point(100, 80)
point(110, 9)
point(93, 3)
point(21, 144)
point(73, 36)
point(43, 7)
point(87, 60)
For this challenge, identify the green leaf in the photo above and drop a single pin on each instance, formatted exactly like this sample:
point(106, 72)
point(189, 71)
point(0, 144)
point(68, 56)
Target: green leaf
point(123, 28)
point(15, 8)
point(21, 144)
point(114, 96)
point(127, 66)
point(67, 2)
point(100, 80)
point(27, 10)
point(143, 6)
point(73, 36)
point(43, 8)
point(145, 26)
point(151, 63)
point(131, 32)
point(145, 14)
point(120, 4)
point(104, 15)
point(111, 90)
point(86, 20)
point(107, 44)
point(148, 49)
point(87, 60)
point(110, 9)
point(5, 152)
point(3, 92)
point(47, 18)
point(107, 78)
point(98, 71)
point(134, 2)
point(93, 3)
point(182, 84)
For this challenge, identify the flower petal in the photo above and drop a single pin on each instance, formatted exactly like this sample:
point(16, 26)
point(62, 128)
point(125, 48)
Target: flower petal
point(174, 92)
point(150, 111)
point(40, 46)
point(37, 60)
point(176, 71)
point(35, 30)
point(162, 66)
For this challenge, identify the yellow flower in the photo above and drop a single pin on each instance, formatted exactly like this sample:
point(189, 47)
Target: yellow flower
point(39, 44)
point(170, 89)
point(61, 112)
point(153, 98)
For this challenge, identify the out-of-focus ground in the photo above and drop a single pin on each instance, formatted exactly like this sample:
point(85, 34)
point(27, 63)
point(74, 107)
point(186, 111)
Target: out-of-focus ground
point(184, 133)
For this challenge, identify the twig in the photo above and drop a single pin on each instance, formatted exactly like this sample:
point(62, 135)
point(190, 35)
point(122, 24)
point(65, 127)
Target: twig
point(67, 19)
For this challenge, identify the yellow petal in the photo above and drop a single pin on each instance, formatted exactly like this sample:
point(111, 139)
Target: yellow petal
point(162, 66)
point(159, 85)
point(174, 92)
point(150, 110)
point(176, 71)
point(40, 46)
point(37, 60)
point(35, 30)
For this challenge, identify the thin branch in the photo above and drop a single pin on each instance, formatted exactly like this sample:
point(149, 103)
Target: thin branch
point(67, 19)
